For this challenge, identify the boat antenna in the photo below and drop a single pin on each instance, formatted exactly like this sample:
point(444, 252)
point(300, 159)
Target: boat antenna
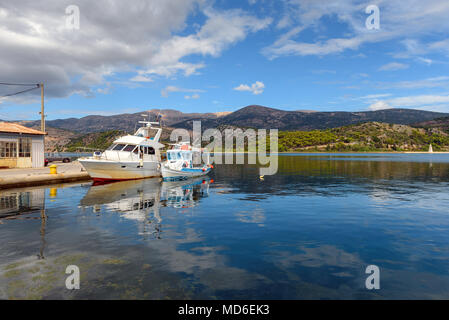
point(159, 118)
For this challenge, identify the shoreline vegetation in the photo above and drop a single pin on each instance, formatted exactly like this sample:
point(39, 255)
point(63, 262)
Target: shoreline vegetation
point(366, 137)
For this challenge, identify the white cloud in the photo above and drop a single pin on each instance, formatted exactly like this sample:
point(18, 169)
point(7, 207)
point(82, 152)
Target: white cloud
point(398, 20)
point(379, 105)
point(255, 88)
point(141, 78)
point(442, 46)
point(375, 96)
point(393, 66)
point(114, 37)
point(434, 82)
point(424, 102)
point(169, 89)
point(220, 30)
point(421, 100)
point(425, 60)
point(170, 70)
point(193, 96)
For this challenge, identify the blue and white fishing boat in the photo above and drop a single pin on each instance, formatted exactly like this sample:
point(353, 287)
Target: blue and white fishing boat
point(180, 162)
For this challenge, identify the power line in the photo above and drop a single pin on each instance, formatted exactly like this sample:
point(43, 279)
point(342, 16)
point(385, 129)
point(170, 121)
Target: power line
point(18, 84)
point(19, 92)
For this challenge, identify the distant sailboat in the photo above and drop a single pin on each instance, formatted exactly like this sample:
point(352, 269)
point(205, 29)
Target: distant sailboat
point(430, 148)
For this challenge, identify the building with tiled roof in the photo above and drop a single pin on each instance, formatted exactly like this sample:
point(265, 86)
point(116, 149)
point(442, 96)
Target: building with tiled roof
point(17, 128)
point(20, 147)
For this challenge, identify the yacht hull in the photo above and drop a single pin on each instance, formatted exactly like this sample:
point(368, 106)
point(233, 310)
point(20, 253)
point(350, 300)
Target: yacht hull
point(107, 170)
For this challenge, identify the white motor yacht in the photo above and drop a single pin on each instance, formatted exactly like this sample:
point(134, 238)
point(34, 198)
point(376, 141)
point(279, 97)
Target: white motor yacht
point(129, 157)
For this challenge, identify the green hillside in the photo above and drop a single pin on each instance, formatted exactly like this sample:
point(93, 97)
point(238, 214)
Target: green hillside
point(93, 141)
point(371, 136)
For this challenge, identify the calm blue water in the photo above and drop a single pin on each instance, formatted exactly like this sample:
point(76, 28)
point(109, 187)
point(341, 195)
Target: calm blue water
point(308, 232)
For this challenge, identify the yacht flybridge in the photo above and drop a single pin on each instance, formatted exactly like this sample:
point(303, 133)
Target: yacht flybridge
point(129, 157)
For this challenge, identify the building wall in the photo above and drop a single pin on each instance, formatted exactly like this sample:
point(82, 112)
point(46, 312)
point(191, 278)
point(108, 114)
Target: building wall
point(36, 158)
point(37, 151)
point(24, 163)
point(8, 162)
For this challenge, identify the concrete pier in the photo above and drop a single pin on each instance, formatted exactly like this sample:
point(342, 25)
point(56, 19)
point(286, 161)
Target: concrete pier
point(66, 172)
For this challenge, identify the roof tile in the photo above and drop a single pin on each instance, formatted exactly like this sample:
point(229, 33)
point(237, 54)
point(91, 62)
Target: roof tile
point(17, 128)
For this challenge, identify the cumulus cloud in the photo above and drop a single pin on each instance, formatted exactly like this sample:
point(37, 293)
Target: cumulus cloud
point(379, 105)
point(393, 66)
point(255, 88)
point(114, 37)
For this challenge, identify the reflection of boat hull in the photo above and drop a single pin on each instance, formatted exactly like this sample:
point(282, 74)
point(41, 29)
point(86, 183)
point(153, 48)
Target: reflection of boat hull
point(185, 193)
point(117, 191)
point(101, 170)
point(185, 173)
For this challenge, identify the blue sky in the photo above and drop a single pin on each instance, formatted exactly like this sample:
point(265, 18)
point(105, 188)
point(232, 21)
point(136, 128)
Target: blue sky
point(213, 56)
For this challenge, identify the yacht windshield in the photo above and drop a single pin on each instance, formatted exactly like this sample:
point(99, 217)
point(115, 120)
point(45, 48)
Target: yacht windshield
point(129, 148)
point(118, 147)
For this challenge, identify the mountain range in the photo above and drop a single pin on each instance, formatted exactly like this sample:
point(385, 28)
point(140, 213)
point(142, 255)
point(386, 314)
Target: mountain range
point(253, 116)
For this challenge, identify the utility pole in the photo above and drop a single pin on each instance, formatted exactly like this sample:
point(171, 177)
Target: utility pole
point(42, 108)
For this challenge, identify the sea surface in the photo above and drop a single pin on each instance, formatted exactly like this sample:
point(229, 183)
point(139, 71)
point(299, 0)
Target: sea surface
point(308, 232)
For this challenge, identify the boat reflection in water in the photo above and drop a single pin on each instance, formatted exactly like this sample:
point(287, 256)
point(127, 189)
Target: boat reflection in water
point(140, 200)
point(185, 193)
